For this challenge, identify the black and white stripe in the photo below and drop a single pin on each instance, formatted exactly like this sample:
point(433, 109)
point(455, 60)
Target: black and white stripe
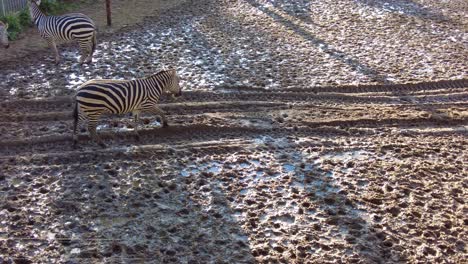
point(97, 97)
point(69, 27)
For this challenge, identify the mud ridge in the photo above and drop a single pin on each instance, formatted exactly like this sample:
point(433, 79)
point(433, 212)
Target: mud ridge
point(366, 88)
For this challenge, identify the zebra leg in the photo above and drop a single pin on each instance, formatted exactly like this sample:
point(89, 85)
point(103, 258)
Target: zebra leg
point(76, 124)
point(157, 111)
point(91, 48)
point(52, 44)
point(85, 49)
point(92, 132)
point(135, 124)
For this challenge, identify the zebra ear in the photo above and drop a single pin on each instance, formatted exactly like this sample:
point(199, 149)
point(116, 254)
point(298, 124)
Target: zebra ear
point(6, 26)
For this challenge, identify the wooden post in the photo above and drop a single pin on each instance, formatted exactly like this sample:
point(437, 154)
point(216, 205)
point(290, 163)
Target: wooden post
point(108, 11)
point(3, 9)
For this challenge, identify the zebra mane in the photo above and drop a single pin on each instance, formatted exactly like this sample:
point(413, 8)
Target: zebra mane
point(167, 68)
point(38, 7)
point(164, 70)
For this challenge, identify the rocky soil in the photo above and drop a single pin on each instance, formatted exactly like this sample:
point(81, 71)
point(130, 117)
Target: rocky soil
point(309, 132)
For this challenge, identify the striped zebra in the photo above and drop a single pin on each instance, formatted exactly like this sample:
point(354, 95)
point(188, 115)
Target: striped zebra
point(4, 35)
point(97, 97)
point(68, 27)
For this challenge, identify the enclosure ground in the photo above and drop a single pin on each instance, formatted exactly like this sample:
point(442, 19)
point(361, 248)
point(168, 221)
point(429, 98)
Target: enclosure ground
point(125, 15)
point(308, 132)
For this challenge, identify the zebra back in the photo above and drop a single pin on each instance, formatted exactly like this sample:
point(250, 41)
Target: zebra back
point(98, 81)
point(65, 27)
point(124, 96)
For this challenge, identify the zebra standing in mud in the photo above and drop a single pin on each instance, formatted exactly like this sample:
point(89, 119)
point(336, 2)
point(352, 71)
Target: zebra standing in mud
point(97, 97)
point(4, 35)
point(68, 27)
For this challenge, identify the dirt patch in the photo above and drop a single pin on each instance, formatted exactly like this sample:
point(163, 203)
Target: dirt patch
point(242, 177)
point(125, 14)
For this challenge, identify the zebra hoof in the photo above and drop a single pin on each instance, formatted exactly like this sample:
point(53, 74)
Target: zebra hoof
point(102, 145)
point(165, 125)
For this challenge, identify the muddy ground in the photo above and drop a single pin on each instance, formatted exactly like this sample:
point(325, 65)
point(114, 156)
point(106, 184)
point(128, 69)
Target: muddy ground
point(308, 132)
point(126, 14)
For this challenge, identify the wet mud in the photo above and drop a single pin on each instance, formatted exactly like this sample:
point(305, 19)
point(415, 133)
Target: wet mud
point(271, 172)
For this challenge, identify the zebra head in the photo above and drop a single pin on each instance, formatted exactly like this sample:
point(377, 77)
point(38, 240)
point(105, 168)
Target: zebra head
point(4, 35)
point(173, 84)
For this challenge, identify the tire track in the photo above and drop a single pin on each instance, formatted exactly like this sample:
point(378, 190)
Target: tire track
point(46, 122)
point(300, 94)
point(199, 132)
point(388, 88)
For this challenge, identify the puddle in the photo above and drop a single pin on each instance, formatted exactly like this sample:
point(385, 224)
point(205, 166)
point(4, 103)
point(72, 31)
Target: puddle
point(244, 191)
point(345, 156)
point(212, 167)
point(16, 182)
point(255, 162)
point(155, 123)
point(106, 222)
point(287, 168)
point(189, 172)
point(278, 142)
point(244, 165)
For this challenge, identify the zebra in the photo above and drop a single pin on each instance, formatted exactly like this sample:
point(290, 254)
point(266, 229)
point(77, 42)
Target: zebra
point(96, 97)
point(4, 35)
point(68, 27)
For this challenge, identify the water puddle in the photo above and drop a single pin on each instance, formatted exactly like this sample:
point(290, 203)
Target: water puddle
point(211, 167)
point(287, 168)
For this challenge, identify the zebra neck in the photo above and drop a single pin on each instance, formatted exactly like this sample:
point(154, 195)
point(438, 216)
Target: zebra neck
point(155, 87)
point(158, 81)
point(37, 15)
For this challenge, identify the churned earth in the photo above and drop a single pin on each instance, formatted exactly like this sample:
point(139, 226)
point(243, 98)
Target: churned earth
point(125, 14)
point(308, 132)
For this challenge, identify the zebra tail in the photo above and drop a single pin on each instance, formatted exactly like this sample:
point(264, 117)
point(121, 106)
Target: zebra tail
point(94, 42)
